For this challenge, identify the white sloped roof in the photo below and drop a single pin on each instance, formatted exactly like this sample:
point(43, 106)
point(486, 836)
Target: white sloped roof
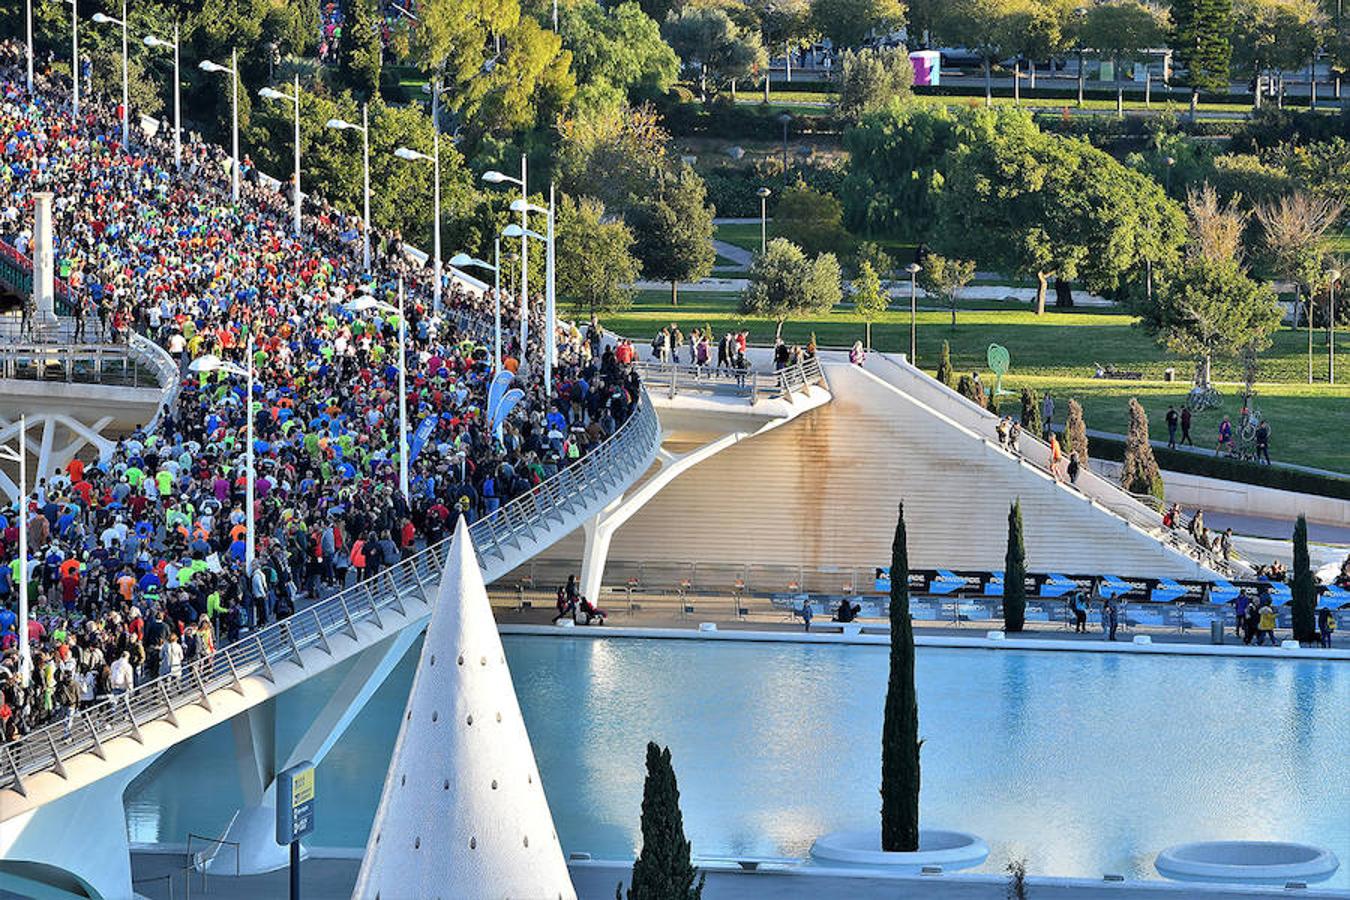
point(463, 814)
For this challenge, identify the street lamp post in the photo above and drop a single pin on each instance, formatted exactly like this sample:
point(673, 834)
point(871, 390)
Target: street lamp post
point(495, 177)
point(232, 70)
point(515, 231)
point(495, 267)
point(153, 41)
point(550, 311)
point(21, 457)
point(212, 363)
point(1334, 276)
point(763, 195)
point(364, 128)
point(74, 58)
point(435, 159)
point(29, 11)
point(913, 269)
point(268, 93)
point(362, 304)
point(785, 119)
point(101, 19)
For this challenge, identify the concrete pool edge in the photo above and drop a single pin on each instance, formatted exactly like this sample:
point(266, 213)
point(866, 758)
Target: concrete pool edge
point(695, 633)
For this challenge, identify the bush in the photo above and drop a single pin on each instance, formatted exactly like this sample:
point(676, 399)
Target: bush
point(1232, 470)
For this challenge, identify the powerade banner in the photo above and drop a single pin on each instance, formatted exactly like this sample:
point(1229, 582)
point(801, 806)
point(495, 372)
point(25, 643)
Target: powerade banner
point(420, 438)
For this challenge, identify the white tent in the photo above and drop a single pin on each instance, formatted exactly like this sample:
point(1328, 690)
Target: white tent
point(463, 814)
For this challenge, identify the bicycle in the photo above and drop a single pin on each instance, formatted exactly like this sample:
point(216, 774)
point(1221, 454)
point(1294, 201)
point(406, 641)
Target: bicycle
point(1203, 397)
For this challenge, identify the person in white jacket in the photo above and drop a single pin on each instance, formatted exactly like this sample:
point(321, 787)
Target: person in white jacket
point(171, 656)
point(123, 677)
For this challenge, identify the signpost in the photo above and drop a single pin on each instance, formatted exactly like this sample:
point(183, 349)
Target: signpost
point(295, 814)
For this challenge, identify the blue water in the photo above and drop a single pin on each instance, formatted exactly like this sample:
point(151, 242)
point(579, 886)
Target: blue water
point(1081, 763)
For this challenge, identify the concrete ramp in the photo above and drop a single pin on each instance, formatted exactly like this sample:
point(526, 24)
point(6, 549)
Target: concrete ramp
point(820, 493)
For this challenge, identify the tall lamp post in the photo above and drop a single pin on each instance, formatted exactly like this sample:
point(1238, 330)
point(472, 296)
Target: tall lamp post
point(232, 70)
point(212, 363)
point(785, 119)
point(102, 19)
point(364, 128)
point(495, 177)
point(151, 40)
point(1333, 277)
point(913, 269)
point(268, 93)
point(550, 309)
point(435, 160)
point(20, 456)
point(74, 57)
point(29, 11)
point(763, 195)
point(364, 304)
point(461, 260)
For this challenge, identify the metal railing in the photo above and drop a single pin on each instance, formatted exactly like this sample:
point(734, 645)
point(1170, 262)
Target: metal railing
point(110, 364)
point(512, 527)
point(671, 379)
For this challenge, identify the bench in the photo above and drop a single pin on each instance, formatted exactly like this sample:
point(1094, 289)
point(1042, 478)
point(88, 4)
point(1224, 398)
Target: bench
point(1110, 372)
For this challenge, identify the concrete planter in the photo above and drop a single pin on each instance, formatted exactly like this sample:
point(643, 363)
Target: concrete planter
point(945, 849)
point(1247, 862)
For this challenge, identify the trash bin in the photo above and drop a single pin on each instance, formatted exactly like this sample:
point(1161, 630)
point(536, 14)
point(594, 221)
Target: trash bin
point(1216, 631)
point(1169, 374)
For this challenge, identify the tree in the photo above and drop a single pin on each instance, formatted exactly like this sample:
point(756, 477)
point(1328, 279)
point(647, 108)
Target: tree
point(707, 39)
point(897, 162)
point(988, 27)
point(1075, 432)
point(847, 22)
point(873, 79)
point(618, 52)
point(811, 219)
point(1030, 415)
point(1015, 574)
point(869, 300)
point(359, 51)
point(1302, 588)
point(1216, 229)
point(943, 279)
point(1275, 35)
point(1296, 228)
point(618, 154)
point(1120, 29)
point(1019, 201)
point(784, 283)
point(594, 258)
point(1201, 38)
point(662, 870)
point(900, 743)
point(944, 369)
point(966, 387)
point(673, 232)
point(1139, 474)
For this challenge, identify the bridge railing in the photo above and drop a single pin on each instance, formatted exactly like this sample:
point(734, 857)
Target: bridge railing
point(579, 487)
point(672, 378)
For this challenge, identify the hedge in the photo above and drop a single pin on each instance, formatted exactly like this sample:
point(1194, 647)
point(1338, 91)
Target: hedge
point(1230, 469)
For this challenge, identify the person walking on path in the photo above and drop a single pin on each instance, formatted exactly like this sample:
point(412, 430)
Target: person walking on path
point(1225, 436)
point(1266, 626)
point(1186, 426)
point(1047, 413)
point(1326, 626)
point(1172, 421)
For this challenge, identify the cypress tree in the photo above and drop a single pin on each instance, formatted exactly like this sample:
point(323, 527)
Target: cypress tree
point(944, 369)
point(966, 388)
point(900, 742)
point(1075, 432)
point(662, 870)
point(1139, 473)
point(1031, 412)
point(1014, 574)
point(1202, 38)
point(1303, 588)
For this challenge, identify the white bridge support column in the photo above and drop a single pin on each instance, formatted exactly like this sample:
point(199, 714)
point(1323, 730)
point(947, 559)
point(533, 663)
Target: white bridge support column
point(44, 263)
point(600, 528)
point(253, 827)
point(83, 833)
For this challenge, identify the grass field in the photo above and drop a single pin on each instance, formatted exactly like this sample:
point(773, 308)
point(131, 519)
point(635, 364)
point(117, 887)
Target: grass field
point(1310, 422)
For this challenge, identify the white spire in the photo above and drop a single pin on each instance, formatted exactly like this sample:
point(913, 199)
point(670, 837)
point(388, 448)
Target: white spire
point(463, 814)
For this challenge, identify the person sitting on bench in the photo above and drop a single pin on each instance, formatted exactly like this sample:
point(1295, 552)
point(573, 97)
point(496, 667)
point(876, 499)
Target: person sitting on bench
point(847, 611)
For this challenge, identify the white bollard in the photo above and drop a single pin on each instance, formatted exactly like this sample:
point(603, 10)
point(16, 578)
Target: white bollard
point(995, 635)
point(707, 626)
point(1142, 639)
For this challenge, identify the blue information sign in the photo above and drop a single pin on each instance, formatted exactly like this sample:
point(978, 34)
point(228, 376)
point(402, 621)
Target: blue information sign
point(295, 803)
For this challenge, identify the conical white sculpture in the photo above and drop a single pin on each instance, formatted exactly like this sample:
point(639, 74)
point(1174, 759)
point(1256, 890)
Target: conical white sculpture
point(463, 814)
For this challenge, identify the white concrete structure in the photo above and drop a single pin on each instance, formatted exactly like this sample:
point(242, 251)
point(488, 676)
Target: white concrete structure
point(1247, 862)
point(939, 849)
point(44, 264)
point(463, 813)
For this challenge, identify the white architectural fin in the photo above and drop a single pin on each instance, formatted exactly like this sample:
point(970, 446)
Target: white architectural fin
point(463, 813)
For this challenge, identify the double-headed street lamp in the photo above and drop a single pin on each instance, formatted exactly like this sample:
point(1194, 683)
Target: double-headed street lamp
point(151, 40)
point(364, 128)
point(268, 93)
point(212, 363)
point(461, 260)
point(435, 159)
point(102, 19)
point(495, 177)
point(232, 70)
point(365, 304)
point(20, 456)
point(550, 311)
point(913, 269)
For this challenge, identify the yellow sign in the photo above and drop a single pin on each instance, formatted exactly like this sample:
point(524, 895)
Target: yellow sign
point(302, 787)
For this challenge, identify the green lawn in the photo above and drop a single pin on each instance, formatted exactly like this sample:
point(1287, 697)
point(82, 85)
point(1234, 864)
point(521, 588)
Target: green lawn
point(1310, 422)
point(740, 234)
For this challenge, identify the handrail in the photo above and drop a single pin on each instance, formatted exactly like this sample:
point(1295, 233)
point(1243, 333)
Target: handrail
point(620, 457)
point(156, 358)
point(780, 383)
